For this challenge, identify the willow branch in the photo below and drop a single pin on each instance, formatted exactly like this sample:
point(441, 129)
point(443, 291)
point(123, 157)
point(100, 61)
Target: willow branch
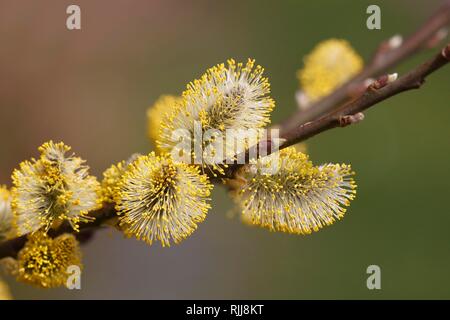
point(11, 247)
point(378, 91)
point(384, 58)
point(350, 113)
point(295, 129)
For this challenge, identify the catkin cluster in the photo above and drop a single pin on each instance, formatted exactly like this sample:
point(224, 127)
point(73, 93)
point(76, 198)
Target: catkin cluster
point(53, 189)
point(158, 198)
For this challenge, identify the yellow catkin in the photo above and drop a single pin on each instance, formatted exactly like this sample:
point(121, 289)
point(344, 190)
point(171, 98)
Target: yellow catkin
point(330, 64)
point(157, 112)
point(233, 96)
point(111, 178)
point(294, 196)
point(51, 189)
point(159, 200)
point(44, 262)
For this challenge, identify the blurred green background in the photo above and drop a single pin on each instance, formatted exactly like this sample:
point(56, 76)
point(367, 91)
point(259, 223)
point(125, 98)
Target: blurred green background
point(91, 89)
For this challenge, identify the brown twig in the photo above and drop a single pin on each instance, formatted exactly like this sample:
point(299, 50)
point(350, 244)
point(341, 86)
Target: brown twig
point(11, 247)
point(346, 115)
point(350, 113)
point(386, 56)
point(380, 90)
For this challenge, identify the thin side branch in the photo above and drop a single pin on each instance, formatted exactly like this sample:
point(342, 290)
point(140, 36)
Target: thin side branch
point(374, 94)
point(389, 53)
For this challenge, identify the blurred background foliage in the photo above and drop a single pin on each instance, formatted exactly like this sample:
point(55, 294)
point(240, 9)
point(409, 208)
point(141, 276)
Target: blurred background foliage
point(91, 89)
